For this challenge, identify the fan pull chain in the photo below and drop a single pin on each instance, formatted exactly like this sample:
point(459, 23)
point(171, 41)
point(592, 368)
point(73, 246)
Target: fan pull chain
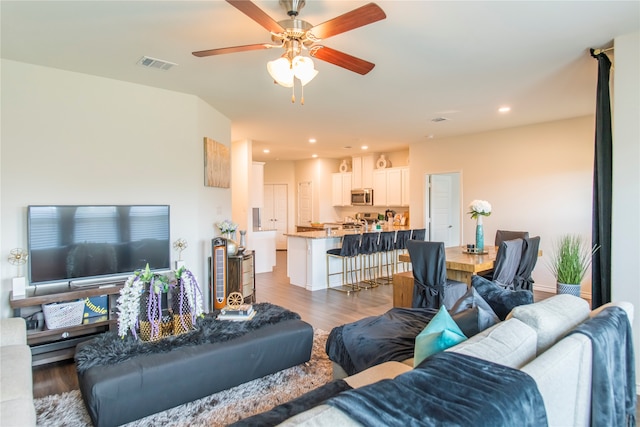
point(293, 93)
point(301, 94)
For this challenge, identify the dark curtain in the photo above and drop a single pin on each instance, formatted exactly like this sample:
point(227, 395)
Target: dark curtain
point(601, 225)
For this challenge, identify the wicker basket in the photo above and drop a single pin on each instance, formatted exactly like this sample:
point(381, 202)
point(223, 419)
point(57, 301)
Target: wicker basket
point(60, 315)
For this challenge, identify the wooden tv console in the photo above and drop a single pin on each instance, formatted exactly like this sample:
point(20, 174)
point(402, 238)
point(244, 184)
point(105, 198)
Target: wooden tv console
point(52, 345)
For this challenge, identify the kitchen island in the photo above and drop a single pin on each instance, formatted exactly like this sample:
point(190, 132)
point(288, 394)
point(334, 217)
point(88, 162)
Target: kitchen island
point(307, 257)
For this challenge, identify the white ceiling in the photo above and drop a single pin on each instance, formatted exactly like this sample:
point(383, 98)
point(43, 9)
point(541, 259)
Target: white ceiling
point(452, 59)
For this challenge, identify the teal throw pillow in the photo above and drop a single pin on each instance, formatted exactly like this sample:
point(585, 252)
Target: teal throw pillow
point(440, 333)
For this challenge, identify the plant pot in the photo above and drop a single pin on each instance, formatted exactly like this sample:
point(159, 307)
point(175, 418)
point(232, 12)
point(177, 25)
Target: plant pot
point(571, 289)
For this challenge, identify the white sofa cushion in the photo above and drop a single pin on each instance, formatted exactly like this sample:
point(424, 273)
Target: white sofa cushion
point(563, 376)
point(13, 331)
point(552, 318)
point(510, 343)
point(17, 413)
point(15, 373)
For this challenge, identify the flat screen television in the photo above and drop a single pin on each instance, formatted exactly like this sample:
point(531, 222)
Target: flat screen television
point(84, 245)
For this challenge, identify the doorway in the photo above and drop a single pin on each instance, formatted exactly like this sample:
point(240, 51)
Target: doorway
point(443, 208)
point(276, 213)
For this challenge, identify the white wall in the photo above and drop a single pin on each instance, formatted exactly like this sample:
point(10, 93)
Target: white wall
point(537, 178)
point(70, 138)
point(625, 254)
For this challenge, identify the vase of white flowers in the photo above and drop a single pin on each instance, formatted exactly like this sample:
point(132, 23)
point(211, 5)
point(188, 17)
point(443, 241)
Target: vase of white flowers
point(478, 209)
point(228, 229)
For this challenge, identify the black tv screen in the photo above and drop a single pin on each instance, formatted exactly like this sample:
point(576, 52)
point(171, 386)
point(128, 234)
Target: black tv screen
point(86, 244)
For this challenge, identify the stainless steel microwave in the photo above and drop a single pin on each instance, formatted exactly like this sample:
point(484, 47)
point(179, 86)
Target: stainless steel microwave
point(362, 197)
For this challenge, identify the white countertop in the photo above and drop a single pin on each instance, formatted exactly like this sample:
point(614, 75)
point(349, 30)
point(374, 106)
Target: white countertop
point(335, 233)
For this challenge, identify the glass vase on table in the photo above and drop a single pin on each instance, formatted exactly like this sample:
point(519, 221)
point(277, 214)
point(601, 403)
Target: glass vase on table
point(479, 235)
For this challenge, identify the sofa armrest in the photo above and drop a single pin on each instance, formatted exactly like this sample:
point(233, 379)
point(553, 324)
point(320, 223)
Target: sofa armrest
point(563, 376)
point(13, 331)
point(625, 305)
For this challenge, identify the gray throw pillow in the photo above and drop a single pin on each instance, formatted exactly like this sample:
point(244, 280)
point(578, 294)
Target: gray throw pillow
point(460, 311)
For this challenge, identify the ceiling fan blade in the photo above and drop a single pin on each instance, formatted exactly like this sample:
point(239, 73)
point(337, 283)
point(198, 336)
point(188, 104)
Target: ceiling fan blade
point(254, 12)
point(233, 49)
point(342, 59)
point(359, 17)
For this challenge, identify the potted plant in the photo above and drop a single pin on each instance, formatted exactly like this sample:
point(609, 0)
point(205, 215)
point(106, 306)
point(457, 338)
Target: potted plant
point(569, 263)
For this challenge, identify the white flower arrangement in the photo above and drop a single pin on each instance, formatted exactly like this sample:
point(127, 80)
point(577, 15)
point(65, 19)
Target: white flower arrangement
point(227, 226)
point(129, 306)
point(479, 207)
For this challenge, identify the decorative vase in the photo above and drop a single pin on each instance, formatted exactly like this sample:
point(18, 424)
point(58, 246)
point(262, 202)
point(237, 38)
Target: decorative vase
point(565, 288)
point(479, 234)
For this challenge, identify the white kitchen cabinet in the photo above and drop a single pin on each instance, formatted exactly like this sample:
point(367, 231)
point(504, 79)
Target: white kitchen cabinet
point(362, 169)
point(380, 187)
point(391, 187)
point(341, 189)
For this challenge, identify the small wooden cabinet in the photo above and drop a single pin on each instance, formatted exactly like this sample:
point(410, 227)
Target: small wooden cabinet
point(242, 276)
point(52, 345)
point(403, 289)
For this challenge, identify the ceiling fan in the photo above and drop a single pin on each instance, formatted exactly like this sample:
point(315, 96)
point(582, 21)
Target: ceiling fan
point(295, 35)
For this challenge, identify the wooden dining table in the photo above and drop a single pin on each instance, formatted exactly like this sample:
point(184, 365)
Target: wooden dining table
point(461, 266)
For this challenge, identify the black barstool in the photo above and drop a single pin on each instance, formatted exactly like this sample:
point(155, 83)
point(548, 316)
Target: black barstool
point(368, 259)
point(400, 245)
point(386, 253)
point(418, 234)
point(348, 253)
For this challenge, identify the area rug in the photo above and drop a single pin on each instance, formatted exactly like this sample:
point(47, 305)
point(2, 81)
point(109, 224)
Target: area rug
point(219, 409)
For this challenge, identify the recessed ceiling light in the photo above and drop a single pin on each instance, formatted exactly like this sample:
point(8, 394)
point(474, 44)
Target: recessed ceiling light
point(364, 147)
point(312, 141)
point(314, 155)
point(265, 150)
point(504, 109)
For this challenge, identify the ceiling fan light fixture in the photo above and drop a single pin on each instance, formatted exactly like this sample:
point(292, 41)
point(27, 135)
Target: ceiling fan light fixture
point(303, 69)
point(281, 72)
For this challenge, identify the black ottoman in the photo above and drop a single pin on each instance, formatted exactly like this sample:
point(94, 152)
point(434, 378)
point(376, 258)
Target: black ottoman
point(147, 384)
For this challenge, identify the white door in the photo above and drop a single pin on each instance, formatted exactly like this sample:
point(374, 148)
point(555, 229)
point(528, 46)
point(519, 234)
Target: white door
point(275, 212)
point(444, 208)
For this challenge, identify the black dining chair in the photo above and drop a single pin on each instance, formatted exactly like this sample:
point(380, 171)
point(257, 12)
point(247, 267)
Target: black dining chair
point(523, 279)
point(502, 235)
point(431, 287)
point(507, 262)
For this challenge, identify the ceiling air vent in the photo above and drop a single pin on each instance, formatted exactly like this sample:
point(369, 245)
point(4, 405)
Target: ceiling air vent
point(158, 64)
point(439, 119)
